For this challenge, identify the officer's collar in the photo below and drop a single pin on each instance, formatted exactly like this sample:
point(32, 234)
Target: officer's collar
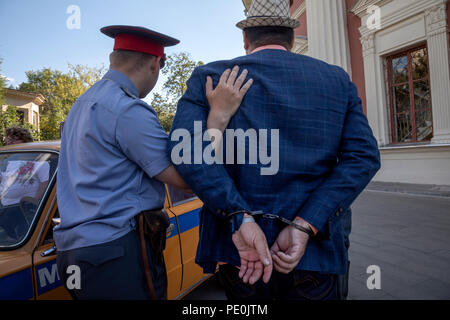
point(122, 80)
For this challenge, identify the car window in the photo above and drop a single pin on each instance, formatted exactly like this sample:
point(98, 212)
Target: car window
point(179, 197)
point(24, 177)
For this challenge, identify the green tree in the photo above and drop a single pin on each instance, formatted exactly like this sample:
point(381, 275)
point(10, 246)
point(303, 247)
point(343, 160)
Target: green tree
point(2, 85)
point(60, 90)
point(164, 110)
point(9, 118)
point(178, 70)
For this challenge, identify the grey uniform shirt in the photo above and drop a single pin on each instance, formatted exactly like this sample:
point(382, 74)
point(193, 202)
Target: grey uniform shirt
point(112, 148)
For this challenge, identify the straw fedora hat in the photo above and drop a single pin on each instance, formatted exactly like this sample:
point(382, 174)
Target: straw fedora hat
point(262, 13)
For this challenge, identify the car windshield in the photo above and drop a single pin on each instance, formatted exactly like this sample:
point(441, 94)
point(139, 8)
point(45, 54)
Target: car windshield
point(24, 177)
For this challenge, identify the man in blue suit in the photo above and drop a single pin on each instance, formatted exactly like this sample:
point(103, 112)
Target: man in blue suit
point(283, 217)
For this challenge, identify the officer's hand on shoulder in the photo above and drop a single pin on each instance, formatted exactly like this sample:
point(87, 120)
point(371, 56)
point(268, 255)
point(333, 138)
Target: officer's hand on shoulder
point(227, 97)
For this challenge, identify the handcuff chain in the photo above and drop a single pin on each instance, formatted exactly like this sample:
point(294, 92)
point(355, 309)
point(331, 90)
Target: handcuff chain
point(273, 216)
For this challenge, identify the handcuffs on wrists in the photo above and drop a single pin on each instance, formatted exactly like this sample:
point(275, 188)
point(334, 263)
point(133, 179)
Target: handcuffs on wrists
point(249, 217)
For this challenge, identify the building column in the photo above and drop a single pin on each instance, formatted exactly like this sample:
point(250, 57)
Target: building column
point(438, 52)
point(371, 82)
point(327, 32)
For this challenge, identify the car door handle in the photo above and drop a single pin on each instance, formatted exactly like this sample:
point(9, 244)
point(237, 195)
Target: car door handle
point(49, 252)
point(170, 229)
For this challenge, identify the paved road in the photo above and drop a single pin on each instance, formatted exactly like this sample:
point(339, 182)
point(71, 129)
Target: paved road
point(407, 236)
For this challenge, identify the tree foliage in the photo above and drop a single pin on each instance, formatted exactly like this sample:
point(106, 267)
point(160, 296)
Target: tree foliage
point(9, 118)
point(2, 85)
point(61, 91)
point(178, 70)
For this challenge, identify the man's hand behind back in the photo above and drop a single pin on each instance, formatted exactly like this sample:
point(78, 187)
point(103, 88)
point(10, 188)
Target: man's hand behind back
point(256, 260)
point(288, 249)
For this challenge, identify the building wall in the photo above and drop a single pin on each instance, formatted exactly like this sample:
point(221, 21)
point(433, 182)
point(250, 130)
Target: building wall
point(448, 16)
point(298, 11)
point(405, 23)
point(30, 109)
point(16, 101)
point(417, 165)
point(356, 57)
point(354, 22)
point(302, 30)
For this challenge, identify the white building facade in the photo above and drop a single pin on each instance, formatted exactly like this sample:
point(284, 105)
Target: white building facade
point(398, 53)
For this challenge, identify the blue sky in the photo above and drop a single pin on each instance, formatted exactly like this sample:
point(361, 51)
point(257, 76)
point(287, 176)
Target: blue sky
point(33, 34)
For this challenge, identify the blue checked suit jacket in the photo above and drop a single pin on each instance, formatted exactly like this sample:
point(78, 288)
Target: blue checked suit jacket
point(327, 156)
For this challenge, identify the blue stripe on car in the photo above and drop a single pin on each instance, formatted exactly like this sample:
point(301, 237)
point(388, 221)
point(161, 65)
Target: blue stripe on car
point(47, 277)
point(186, 221)
point(17, 286)
point(189, 220)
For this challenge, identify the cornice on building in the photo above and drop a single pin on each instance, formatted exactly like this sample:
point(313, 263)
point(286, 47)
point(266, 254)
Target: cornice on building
point(361, 6)
point(36, 98)
point(394, 17)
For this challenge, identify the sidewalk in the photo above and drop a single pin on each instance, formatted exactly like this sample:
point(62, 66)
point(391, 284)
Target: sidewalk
point(405, 230)
point(413, 189)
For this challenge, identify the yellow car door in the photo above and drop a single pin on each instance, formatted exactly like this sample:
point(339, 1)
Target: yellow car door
point(20, 266)
point(172, 255)
point(186, 208)
point(48, 285)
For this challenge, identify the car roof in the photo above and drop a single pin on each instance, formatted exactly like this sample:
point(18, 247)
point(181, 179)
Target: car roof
point(42, 145)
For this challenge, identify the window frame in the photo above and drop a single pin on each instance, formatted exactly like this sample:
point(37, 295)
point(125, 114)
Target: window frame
point(412, 109)
point(42, 203)
point(178, 203)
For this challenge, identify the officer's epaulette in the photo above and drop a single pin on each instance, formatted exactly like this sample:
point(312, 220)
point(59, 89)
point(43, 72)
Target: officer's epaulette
point(128, 93)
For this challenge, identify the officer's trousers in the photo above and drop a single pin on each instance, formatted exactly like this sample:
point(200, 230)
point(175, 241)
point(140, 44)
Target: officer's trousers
point(111, 271)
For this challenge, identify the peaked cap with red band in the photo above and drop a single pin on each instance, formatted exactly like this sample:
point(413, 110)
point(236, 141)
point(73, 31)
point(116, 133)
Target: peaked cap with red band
point(139, 39)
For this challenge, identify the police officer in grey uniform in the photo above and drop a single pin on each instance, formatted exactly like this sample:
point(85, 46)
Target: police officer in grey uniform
point(113, 165)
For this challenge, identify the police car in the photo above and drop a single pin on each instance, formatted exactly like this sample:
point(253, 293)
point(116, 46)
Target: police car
point(29, 211)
